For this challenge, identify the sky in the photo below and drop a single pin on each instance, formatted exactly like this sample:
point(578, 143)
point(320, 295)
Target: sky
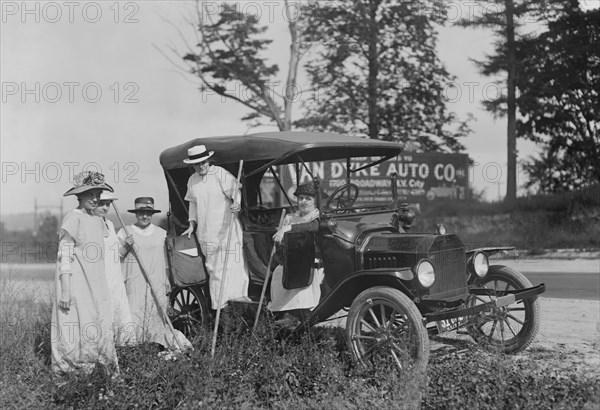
point(95, 86)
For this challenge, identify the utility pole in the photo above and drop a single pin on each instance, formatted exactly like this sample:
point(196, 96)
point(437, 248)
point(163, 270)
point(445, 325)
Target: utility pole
point(511, 131)
point(35, 212)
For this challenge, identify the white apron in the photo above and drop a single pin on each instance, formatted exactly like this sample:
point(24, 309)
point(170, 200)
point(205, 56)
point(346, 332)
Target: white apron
point(210, 198)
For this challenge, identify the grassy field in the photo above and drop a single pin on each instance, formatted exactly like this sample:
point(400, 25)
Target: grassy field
point(269, 370)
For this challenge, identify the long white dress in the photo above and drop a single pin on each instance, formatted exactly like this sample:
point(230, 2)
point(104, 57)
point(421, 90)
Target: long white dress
point(122, 324)
point(210, 198)
point(149, 327)
point(82, 336)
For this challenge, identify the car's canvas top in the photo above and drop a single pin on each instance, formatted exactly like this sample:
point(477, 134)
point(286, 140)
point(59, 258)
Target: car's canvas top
point(282, 146)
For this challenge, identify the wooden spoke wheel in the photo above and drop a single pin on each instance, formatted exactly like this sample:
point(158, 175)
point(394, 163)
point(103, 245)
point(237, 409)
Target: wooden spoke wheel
point(189, 311)
point(511, 328)
point(385, 328)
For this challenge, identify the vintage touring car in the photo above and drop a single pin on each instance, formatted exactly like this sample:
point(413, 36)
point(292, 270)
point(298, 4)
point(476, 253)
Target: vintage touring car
point(397, 286)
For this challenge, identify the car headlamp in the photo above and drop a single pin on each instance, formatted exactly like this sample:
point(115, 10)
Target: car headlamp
point(332, 225)
point(479, 264)
point(440, 229)
point(425, 273)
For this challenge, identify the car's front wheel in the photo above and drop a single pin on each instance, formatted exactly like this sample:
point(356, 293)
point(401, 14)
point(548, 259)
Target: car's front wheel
point(511, 328)
point(385, 328)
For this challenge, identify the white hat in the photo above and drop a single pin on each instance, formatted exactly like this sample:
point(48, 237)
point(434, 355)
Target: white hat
point(107, 196)
point(198, 154)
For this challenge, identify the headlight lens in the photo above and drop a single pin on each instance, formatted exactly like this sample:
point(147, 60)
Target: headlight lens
point(425, 273)
point(332, 225)
point(440, 229)
point(480, 264)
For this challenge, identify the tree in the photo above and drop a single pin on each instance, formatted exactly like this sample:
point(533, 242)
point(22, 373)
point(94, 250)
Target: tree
point(379, 74)
point(47, 231)
point(229, 62)
point(559, 101)
point(47, 238)
point(505, 19)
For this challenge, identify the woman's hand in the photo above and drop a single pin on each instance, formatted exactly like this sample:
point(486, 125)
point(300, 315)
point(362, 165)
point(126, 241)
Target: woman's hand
point(129, 241)
point(235, 208)
point(126, 247)
point(190, 230)
point(278, 237)
point(64, 303)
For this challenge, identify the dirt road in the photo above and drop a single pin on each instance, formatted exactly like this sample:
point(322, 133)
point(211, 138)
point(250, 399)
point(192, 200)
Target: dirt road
point(572, 326)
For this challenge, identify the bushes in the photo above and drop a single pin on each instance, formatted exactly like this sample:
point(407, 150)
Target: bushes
point(483, 380)
point(561, 202)
point(566, 220)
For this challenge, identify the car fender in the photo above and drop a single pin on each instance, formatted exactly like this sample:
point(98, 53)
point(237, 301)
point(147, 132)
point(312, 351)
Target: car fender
point(349, 288)
point(489, 251)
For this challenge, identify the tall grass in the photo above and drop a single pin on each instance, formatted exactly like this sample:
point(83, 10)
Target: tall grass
point(271, 369)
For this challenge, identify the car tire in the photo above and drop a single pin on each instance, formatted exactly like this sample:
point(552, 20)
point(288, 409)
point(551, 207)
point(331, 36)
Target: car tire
point(384, 327)
point(509, 329)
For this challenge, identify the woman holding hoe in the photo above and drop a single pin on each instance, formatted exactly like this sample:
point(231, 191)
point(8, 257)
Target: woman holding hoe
point(144, 249)
point(210, 192)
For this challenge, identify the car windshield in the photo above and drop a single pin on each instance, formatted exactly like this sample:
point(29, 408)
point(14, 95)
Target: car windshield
point(371, 185)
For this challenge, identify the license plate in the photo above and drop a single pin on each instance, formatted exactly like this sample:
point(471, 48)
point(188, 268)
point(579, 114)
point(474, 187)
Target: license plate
point(448, 325)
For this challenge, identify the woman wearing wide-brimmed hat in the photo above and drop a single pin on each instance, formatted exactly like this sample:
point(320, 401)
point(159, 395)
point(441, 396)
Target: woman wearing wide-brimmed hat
point(148, 241)
point(210, 192)
point(81, 332)
point(122, 325)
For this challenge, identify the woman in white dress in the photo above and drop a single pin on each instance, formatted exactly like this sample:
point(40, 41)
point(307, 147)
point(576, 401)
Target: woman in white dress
point(148, 241)
point(81, 331)
point(123, 328)
point(212, 213)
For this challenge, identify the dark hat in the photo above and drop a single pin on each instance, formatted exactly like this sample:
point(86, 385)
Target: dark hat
point(87, 180)
point(306, 189)
point(145, 204)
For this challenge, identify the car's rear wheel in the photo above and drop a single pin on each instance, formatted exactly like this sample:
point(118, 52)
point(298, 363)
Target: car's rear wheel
point(385, 328)
point(189, 311)
point(511, 328)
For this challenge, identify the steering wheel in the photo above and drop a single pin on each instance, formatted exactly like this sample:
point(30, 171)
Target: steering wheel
point(344, 197)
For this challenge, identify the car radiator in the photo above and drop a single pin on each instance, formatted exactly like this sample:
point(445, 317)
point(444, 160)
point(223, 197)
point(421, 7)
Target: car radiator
point(450, 274)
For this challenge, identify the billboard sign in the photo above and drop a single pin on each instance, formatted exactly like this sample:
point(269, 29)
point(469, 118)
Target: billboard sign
point(421, 177)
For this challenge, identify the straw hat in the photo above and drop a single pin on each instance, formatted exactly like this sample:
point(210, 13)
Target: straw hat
point(145, 204)
point(198, 154)
point(107, 196)
point(87, 180)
